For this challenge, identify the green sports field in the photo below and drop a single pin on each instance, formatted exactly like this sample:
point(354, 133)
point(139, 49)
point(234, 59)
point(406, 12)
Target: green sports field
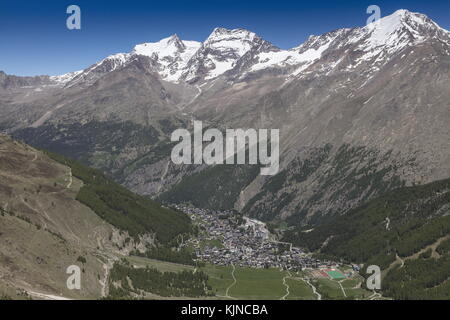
point(335, 274)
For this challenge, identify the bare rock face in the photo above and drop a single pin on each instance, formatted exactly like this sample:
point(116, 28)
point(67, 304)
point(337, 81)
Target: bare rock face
point(360, 111)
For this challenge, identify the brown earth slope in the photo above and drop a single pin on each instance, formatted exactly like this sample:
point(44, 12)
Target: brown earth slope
point(43, 229)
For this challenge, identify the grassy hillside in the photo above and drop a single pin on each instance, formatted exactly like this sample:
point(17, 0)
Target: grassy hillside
point(124, 209)
point(391, 231)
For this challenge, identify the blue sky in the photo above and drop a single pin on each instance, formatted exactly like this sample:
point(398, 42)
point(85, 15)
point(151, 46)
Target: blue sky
point(34, 38)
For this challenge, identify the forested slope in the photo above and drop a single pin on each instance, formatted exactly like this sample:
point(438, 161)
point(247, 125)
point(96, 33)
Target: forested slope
point(124, 209)
point(393, 231)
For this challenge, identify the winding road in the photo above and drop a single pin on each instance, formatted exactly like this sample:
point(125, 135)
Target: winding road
point(319, 296)
point(342, 288)
point(286, 285)
point(231, 285)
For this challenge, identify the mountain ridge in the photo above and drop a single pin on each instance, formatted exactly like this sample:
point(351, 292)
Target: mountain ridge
point(389, 24)
point(383, 109)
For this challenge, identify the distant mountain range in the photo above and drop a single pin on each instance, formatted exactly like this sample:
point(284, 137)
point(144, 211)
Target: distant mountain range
point(363, 115)
point(361, 111)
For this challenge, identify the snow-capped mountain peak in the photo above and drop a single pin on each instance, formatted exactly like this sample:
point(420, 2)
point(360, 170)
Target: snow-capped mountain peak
point(376, 42)
point(301, 56)
point(64, 78)
point(167, 47)
point(171, 55)
point(392, 34)
point(396, 27)
point(221, 52)
point(237, 40)
point(109, 64)
point(243, 51)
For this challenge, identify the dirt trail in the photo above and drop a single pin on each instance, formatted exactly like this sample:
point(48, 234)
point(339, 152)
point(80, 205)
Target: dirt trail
point(48, 218)
point(46, 296)
point(374, 296)
point(70, 179)
point(231, 285)
point(319, 296)
point(342, 288)
point(28, 205)
point(286, 285)
point(104, 282)
point(28, 164)
point(108, 257)
point(402, 262)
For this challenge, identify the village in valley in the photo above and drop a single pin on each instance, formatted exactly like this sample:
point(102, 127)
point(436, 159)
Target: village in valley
point(227, 238)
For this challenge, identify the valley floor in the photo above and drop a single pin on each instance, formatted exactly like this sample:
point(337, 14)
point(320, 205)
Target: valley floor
point(243, 283)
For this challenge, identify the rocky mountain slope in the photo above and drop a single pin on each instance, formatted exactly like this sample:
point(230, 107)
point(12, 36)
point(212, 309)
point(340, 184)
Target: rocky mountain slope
point(50, 220)
point(360, 111)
